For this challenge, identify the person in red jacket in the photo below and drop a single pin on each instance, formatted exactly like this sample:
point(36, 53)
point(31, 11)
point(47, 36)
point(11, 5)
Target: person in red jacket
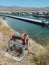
point(25, 39)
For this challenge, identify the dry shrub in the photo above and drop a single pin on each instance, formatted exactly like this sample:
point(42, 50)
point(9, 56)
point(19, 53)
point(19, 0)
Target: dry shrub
point(41, 59)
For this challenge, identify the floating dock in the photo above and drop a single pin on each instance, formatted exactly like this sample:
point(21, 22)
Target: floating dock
point(27, 19)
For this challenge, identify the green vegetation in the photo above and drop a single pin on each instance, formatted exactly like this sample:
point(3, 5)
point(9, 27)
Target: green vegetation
point(0, 23)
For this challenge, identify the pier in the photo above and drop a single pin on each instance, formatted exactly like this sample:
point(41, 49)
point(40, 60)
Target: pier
point(26, 19)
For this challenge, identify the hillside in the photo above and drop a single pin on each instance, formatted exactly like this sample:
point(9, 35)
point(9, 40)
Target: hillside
point(22, 9)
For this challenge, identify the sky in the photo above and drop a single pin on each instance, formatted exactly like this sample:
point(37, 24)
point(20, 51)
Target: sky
point(25, 3)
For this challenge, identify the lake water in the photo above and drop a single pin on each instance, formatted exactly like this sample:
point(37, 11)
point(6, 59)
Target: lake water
point(38, 33)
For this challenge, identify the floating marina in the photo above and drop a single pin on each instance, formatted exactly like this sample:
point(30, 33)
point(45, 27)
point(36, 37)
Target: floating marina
point(27, 19)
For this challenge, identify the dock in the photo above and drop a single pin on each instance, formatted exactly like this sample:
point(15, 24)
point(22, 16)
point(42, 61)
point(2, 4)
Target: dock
point(26, 19)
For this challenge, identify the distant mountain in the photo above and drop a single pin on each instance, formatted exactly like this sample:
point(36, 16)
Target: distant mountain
point(22, 9)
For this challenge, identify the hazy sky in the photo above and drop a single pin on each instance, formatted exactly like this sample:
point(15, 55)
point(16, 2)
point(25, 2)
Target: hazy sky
point(25, 3)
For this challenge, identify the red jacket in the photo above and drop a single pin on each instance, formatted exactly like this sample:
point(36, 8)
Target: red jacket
point(24, 39)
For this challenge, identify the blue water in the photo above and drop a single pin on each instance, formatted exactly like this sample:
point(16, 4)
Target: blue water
point(39, 33)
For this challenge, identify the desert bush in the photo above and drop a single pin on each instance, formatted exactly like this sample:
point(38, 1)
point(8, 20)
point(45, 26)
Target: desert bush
point(40, 59)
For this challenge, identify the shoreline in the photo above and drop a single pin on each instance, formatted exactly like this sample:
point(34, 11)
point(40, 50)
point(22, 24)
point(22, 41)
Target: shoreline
point(6, 24)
